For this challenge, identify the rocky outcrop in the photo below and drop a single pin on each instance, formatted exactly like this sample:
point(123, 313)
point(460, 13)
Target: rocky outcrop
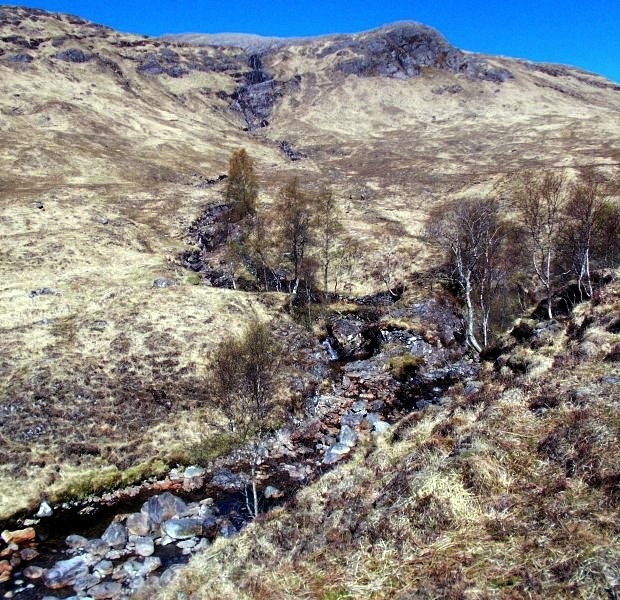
point(403, 50)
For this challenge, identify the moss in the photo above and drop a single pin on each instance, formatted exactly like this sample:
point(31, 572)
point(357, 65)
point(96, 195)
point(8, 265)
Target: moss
point(404, 367)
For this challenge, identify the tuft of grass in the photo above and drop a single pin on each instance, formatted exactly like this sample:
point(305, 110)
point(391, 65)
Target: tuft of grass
point(404, 367)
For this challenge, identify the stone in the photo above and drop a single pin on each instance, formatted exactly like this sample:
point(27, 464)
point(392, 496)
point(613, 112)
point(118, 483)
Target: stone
point(227, 481)
point(86, 581)
point(143, 546)
point(38, 205)
point(272, 492)
point(97, 547)
point(168, 575)
point(351, 420)
point(180, 529)
point(74, 55)
point(33, 572)
point(210, 526)
point(193, 471)
point(163, 282)
point(45, 510)
point(227, 529)
point(137, 524)
point(347, 436)
point(115, 535)
point(359, 407)
point(28, 554)
point(106, 590)
point(104, 568)
point(102, 220)
point(19, 536)
point(335, 453)
point(163, 507)
point(380, 427)
point(65, 572)
point(151, 563)
point(187, 544)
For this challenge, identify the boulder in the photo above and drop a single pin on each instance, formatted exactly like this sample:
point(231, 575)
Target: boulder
point(83, 582)
point(33, 572)
point(104, 568)
point(65, 573)
point(163, 507)
point(272, 492)
point(163, 282)
point(347, 436)
point(380, 427)
point(181, 529)
point(137, 524)
point(105, 590)
point(227, 481)
point(115, 535)
point(76, 541)
point(97, 547)
point(335, 453)
point(143, 545)
point(45, 510)
point(19, 536)
point(227, 529)
point(209, 527)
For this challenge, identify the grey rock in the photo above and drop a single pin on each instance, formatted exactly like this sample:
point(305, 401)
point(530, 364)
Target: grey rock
point(102, 220)
point(143, 546)
point(76, 541)
point(335, 453)
point(272, 492)
point(227, 529)
point(610, 379)
point(193, 471)
point(20, 58)
point(44, 292)
point(106, 591)
point(86, 581)
point(163, 282)
point(227, 481)
point(97, 547)
point(187, 544)
point(104, 568)
point(380, 427)
point(38, 205)
point(151, 564)
point(352, 420)
point(115, 535)
point(45, 510)
point(372, 418)
point(168, 575)
point(74, 55)
point(163, 507)
point(137, 524)
point(65, 572)
point(347, 436)
point(33, 572)
point(180, 529)
point(359, 407)
point(210, 526)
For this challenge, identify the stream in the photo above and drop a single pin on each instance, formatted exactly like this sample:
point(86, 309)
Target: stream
point(138, 536)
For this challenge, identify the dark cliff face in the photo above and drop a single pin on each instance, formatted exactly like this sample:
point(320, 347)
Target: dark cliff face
point(403, 50)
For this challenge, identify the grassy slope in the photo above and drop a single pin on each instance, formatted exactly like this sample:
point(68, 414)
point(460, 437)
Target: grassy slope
point(509, 492)
point(90, 141)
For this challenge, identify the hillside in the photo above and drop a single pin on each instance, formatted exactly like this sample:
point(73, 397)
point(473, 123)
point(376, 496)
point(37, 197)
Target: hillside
point(112, 145)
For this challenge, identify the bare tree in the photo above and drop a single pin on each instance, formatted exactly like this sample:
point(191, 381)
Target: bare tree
point(244, 381)
point(292, 212)
point(471, 233)
point(583, 219)
point(328, 228)
point(539, 200)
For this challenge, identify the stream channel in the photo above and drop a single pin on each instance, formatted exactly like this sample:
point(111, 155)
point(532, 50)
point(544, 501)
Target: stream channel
point(363, 401)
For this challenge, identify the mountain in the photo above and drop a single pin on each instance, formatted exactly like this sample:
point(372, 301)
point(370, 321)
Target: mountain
point(112, 145)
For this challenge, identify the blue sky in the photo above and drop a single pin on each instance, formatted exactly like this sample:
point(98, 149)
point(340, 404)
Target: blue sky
point(583, 33)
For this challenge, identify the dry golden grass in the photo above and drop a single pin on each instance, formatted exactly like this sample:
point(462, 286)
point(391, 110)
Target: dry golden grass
point(97, 140)
point(511, 492)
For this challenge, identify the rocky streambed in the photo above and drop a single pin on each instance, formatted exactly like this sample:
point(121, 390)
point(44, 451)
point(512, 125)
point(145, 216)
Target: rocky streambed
point(114, 545)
